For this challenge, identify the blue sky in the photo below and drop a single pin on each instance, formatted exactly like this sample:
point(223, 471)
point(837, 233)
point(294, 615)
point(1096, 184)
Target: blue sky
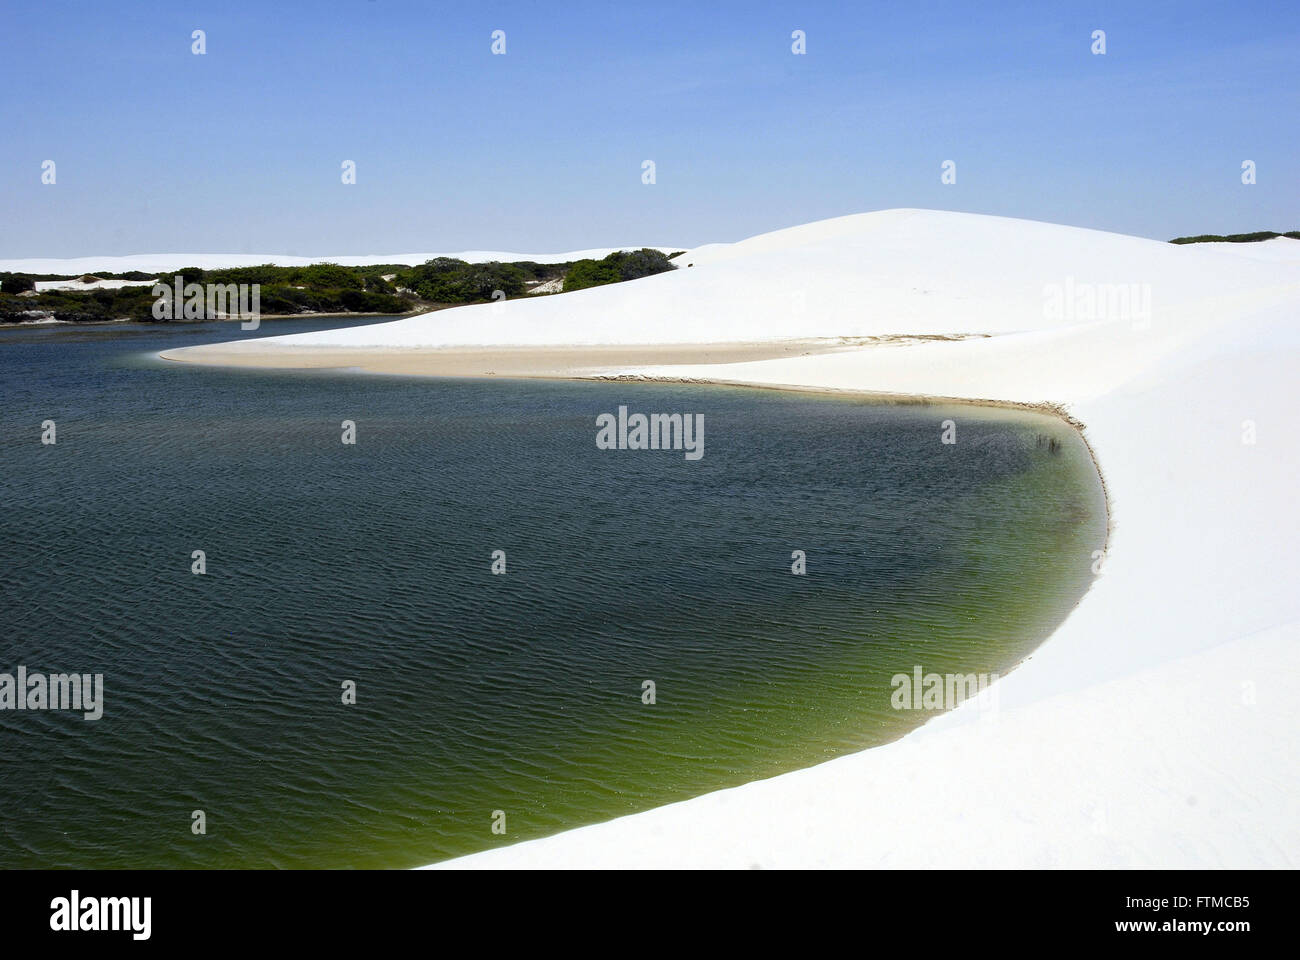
point(240, 150)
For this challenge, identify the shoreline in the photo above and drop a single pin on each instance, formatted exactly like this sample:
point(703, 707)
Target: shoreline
point(547, 362)
point(538, 363)
point(522, 363)
point(558, 361)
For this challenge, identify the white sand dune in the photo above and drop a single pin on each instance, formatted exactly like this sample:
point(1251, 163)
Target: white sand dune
point(170, 262)
point(80, 285)
point(892, 272)
point(1156, 727)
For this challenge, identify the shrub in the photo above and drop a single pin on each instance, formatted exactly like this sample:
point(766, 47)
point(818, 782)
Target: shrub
point(16, 283)
point(616, 267)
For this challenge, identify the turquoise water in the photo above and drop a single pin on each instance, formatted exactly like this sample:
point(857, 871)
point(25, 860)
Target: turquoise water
point(476, 693)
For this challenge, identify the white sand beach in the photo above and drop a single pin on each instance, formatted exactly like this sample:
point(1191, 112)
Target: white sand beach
point(1155, 727)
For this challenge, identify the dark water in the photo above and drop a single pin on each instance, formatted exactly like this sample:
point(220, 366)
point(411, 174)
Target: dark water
point(476, 693)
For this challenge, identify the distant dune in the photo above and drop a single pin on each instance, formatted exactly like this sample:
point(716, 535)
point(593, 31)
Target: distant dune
point(170, 262)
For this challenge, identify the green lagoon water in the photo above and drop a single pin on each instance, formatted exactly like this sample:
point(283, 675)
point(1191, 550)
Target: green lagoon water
point(476, 693)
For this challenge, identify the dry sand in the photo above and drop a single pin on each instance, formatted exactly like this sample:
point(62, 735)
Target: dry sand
point(553, 362)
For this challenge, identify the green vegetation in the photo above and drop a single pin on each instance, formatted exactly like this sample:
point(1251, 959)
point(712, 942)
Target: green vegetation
point(324, 287)
point(319, 288)
point(445, 280)
point(618, 266)
point(16, 283)
point(1237, 237)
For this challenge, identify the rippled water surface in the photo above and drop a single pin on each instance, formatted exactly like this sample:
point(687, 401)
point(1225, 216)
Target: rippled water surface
point(476, 693)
